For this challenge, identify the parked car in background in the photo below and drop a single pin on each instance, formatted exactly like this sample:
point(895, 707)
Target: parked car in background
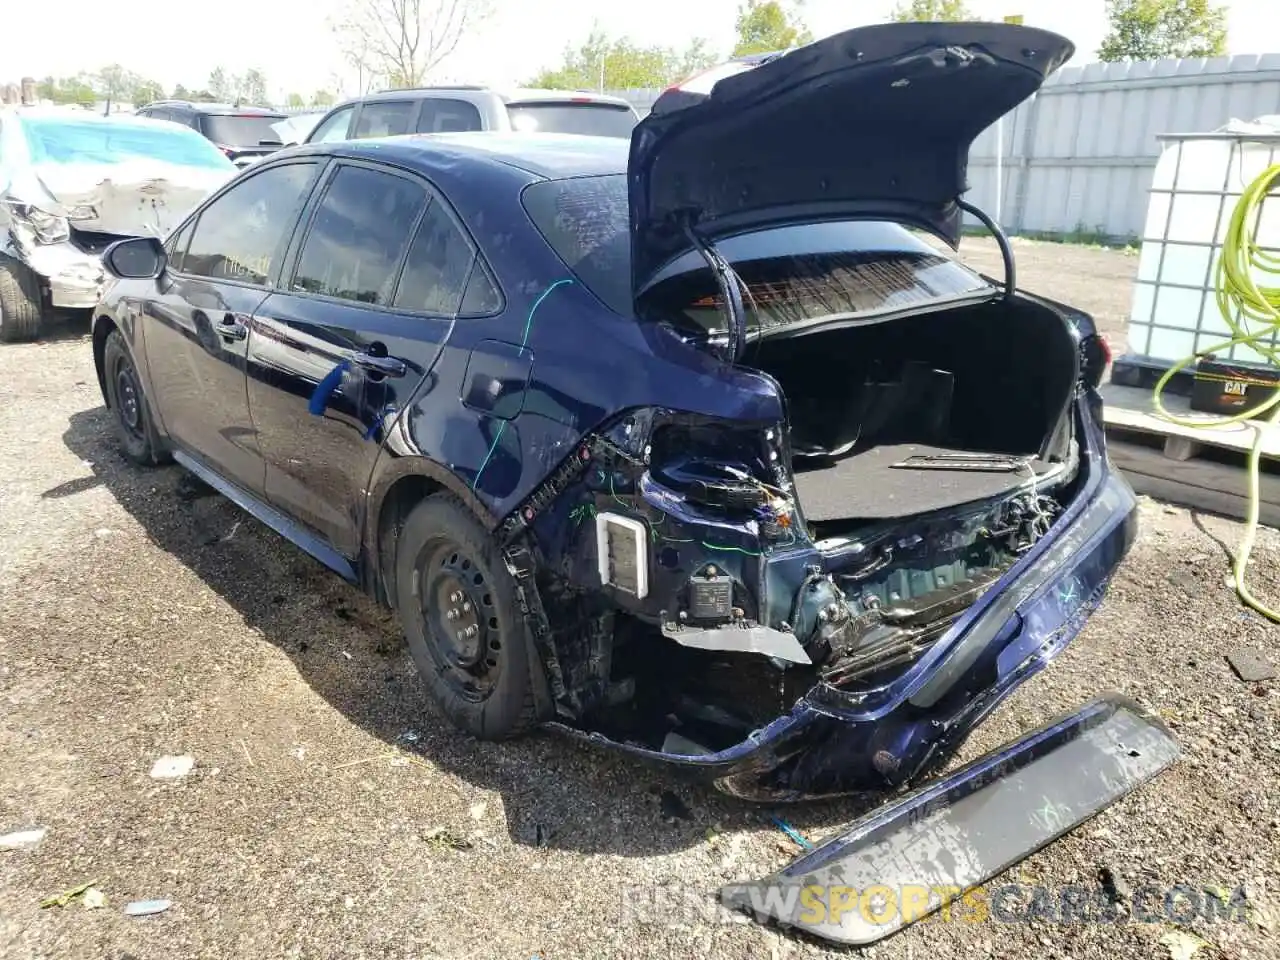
point(243, 134)
point(686, 444)
point(71, 183)
point(460, 109)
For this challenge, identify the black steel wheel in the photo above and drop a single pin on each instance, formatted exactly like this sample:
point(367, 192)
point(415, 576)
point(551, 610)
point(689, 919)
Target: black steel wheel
point(457, 604)
point(129, 411)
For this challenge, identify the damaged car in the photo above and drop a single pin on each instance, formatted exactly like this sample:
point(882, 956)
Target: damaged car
point(703, 448)
point(72, 183)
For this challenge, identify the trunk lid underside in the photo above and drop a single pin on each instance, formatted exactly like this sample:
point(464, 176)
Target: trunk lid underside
point(875, 122)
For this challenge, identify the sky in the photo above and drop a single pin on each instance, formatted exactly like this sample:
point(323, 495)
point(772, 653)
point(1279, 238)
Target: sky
point(292, 43)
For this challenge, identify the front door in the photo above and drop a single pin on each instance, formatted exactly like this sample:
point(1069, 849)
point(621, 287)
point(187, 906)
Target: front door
point(369, 299)
point(196, 329)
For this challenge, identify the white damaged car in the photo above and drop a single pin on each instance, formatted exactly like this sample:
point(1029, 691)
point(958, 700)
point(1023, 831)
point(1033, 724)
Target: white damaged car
point(71, 183)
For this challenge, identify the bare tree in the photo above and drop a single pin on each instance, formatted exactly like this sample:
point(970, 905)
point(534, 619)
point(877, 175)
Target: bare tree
point(404, 40)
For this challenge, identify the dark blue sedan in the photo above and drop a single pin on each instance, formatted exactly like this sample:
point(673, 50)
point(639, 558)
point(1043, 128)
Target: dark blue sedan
point(703, 447)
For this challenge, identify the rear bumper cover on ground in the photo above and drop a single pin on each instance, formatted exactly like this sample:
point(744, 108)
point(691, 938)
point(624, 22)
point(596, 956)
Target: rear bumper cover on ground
point(913, 856)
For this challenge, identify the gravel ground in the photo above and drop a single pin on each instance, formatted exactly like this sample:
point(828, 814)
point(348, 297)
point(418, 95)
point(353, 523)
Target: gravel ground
point(140, 618)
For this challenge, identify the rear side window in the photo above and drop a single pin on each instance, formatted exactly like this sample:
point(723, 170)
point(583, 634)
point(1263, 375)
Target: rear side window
point(240, 235)
point(386, 119)
point(448, 116)
point(358, 236)
point(438, 266)
point(481, 298)
point(589, 119)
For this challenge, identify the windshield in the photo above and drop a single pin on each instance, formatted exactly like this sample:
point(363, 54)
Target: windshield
point(793, 274)
point(590, 119)
point(65, 141)
point(242, 130)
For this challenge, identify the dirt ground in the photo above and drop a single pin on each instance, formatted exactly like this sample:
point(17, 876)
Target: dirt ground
point(139, 619)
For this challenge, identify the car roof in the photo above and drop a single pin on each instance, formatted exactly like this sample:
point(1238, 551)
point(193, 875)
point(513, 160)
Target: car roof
point(547, 156)
point(217, 108)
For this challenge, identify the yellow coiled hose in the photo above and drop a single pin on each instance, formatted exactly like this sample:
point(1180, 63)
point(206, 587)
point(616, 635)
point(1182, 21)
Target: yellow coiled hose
point(1258, 308)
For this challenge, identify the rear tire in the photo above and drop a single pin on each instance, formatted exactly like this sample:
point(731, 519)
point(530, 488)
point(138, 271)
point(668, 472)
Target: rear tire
point(20, 310)
point(130, 412)
point(457, 604)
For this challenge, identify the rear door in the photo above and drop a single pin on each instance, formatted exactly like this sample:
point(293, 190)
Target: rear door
point(374, 284)
point(196, 326)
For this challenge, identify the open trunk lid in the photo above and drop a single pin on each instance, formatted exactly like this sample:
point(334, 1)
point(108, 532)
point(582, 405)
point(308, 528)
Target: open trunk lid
point(875, 122)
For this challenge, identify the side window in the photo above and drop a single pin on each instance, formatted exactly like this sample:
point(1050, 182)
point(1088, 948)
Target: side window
point(385, 118)
point(240, 234)
point(176, 247)
point(481, 297)
point(333, 129)
point(439, 262)
point(358, 236)
point(447, 116)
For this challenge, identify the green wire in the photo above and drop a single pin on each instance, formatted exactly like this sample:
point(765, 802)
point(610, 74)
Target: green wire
point(654, 533)
point(1237, 293)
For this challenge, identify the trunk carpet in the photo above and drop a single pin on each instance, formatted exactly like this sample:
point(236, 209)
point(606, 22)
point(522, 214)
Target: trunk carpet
point(866, 486)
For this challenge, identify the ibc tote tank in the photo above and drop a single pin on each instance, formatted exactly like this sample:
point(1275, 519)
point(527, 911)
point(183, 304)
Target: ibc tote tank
point(1194, 189)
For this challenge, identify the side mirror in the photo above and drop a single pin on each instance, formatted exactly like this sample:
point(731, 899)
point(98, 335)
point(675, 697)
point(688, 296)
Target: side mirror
point(138, 258)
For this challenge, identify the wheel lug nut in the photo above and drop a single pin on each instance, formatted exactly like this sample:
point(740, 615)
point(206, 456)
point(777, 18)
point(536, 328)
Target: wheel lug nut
point(455, 596)
point(451, 615)
point(466, 608)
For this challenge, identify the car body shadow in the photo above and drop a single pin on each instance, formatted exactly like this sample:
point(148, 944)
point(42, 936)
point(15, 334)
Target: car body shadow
point(556, 793)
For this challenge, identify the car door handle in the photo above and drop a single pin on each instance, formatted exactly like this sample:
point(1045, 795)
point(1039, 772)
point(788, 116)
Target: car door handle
point(230, 328)
point(387, 366)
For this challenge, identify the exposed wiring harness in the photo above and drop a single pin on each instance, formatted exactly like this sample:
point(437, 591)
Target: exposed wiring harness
point(1252, 312)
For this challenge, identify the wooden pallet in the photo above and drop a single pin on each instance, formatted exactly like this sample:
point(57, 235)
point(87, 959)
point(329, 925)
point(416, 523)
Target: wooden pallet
point(1198, 468)
point(1133, 409)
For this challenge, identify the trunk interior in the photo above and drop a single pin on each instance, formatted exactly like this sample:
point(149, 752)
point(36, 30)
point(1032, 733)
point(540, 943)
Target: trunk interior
point(877, 409)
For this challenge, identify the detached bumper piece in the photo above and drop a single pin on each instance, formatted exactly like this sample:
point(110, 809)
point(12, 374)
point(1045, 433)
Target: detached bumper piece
point(911, 857)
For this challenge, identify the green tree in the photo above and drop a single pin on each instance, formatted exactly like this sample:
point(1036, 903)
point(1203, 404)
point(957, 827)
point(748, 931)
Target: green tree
point(146, 91)
point(221, 85)
point(295, 101)
point(602, 63)
point(252, 87)
point(322, 98)
point(930, 10)
point(766, 25)
point(181, 93)
point(77, 89)
point(1156, 29)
